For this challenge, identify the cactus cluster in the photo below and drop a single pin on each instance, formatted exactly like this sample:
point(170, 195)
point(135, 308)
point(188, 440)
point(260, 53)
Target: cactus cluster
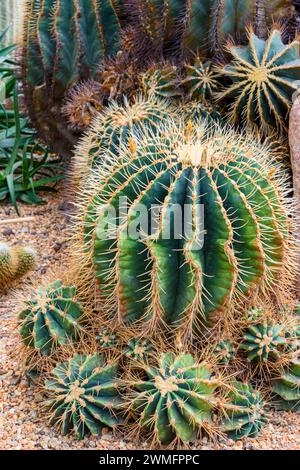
point(53, 317)
point(83, 395)
point(15, 262)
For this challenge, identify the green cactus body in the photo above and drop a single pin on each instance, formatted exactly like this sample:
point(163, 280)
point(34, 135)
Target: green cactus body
point(65, 41)
point(52, 318)
point(138, 349)
point(262, 341)
point(115, 127)
point(83, 395)
point(287, 388)
point(198, 110)
point(11, 19)
point(244, 415)
point(255, 314)
point(264, 76)
point(163, 277)
point(200, 80)
point(176, 399)
point(15, 262)
point(224, 352)
point(162, 81)
point(107, 339)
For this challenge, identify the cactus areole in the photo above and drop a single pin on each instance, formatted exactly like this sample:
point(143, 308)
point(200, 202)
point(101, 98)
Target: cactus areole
point(232, 243)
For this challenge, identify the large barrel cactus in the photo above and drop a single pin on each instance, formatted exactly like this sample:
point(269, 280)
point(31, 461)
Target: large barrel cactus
point(65, 41)
point(224, 191)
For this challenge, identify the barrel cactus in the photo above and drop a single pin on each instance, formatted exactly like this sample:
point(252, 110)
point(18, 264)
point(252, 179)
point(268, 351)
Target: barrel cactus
point(255, 314)
point(107, 339)
point(65, 41)
point(244, 414)
point(15, 262)
point(83, 395)
point(161, 80)
point(286, 388)
point(52, 318)
point(224, 352)
point(138, 349)
point(233, 243)
point(200, 79)
point(263, 341)
point(265, 74)
point(176, 398)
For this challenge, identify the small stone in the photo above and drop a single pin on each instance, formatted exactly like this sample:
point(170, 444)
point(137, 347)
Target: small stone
point(7, 232)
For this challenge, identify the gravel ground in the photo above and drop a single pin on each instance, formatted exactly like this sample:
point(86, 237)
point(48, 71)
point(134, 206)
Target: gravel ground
point(21, 424)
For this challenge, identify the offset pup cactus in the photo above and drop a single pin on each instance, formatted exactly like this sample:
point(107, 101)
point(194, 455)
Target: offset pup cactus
point(263, 341)
point(176, 399)
point(224, 352)
point(264, 76)
point(52, 318)
point(65, 41)
point(232, 246)
point(201, 80)
point(287, 387)
point(15, 262)
point(83, 395)
point(138, 349)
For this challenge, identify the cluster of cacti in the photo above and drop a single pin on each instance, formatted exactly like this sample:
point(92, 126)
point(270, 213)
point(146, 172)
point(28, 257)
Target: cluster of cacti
point(287, 387)
point(176, 398)
point(15, 262)
point(83, 395)
point(51, 318)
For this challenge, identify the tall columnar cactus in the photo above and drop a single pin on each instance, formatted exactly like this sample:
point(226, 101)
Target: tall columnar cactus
point(232, 244)
point(11, 20)
point(263, 341)
point(65, 41)
point(15, 262)
point(176, 398)
point(83, 395)
point(244, 414)
point(51, 319)
point(264, 76)
point(287, 387)
point(116, 126)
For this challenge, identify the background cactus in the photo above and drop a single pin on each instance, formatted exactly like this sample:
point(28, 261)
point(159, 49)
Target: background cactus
point(138, 349)
point(224, 352)
point(177, 279)
point(15, 262)
point(287, 387)
point(244, 414)
point(107, 338)
point(161, 80)
point(176, 398)
point(264, 76)
point(263, 340)
point(52, 318)
point(200, 80)
point(83, 395)
point(11, 20)
point(65, 41)
point(255, 314)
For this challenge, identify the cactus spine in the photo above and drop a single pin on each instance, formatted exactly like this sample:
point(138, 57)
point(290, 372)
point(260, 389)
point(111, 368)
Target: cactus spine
point(15, 262)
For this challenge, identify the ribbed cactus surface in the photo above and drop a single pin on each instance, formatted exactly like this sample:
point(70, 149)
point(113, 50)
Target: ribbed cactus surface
point(11, 20)
point(224, 352)
point(107, 338)
point(200, 79)
point(233, 241)
point(15, 262)
point(244, 414)
point(51, 318)
point(83, 395)
point(176, 398)
point(138, 349)
point(265, 74)
point(161, 80)
point(287, 387)
point(263, 340)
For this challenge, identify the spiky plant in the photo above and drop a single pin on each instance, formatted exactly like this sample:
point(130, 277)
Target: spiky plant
point(15, 262)
point(255, 314)
point(287, 387)
point(198, 110)
point(161, 80)
point(138, 349)
point(154, 273)
point(107, 338)
point(51, 318)
point(176, 398)
point(11, 20)
point(83, 395)
point(244, 414)
point(65, 41)
point(224, 352)
point(82, 103)
point(116, 126)
point(200, 79)
point(264, 76)
point(263, 341)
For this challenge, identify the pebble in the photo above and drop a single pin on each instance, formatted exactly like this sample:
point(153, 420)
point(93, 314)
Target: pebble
point(7, 232)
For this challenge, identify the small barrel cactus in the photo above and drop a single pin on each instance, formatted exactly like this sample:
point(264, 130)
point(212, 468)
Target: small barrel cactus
point(244, 414)
point(263, 341)
point(83, 395)
point(224, 352)
point(286, 388)
point(138, 349)
point(199, 110)
point(52, 318)
point(255, 314)
point(161, 80)
point(15, 262)
point(264, 76)
point(201, 80)
point(225, 188)
point(107, 339)
point(176, 398)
